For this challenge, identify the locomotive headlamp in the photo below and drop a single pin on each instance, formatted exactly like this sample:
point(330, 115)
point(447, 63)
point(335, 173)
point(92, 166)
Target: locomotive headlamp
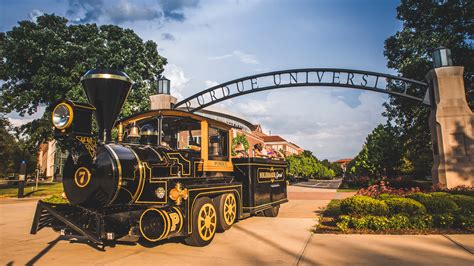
point(72, 118)
point(62, 116)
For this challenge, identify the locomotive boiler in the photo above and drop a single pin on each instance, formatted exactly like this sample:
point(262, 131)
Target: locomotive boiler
point(154, 175)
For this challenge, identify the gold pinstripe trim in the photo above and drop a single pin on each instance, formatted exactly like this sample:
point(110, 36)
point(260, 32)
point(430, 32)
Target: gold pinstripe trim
point(140, 176)
point(119, 171)
point(151, 181)
point(106, 76)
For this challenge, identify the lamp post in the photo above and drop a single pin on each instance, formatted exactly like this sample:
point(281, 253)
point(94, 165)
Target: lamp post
point(163, 86)
point(442, 57)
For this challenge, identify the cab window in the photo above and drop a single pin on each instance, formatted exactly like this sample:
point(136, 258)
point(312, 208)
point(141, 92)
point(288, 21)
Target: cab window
point(181, 133)
point(218, 144)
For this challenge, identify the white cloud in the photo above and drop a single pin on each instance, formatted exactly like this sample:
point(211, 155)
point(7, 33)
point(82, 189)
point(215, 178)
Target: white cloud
point(34, 14)
point(315, 120)
point(241, 56)
point(128, 11)
point(210, 83)
point(178, 80)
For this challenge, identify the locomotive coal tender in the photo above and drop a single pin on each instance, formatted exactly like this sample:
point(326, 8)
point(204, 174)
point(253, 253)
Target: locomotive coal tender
point(152, 176)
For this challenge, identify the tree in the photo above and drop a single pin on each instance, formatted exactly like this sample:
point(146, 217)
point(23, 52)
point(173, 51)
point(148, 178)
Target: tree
point(427, 25)
point(381, 155)
point(307, 165)
point(13, 150)
point(43, 61)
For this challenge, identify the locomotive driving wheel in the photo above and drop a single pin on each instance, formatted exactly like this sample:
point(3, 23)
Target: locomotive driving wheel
point(204, 223)
point(226, 205)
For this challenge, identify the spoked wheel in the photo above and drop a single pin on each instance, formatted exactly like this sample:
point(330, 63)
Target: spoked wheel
point(204, 223)
point(272, 212)
point(226, 205)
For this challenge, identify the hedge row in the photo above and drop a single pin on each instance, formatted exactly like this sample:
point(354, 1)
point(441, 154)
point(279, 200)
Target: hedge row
point(401, 221)
point(415, 211)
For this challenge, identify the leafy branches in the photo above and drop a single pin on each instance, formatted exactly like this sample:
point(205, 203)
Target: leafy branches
point(43, 61)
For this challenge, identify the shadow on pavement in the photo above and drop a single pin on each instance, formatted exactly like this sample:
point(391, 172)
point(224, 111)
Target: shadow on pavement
point(40, 254)
point(274, 244)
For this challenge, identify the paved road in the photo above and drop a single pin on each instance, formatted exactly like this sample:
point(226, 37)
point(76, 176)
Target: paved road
point(330, 184)
point(286, 240)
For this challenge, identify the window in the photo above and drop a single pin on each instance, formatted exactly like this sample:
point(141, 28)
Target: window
point(218, 144)
point(180, 133)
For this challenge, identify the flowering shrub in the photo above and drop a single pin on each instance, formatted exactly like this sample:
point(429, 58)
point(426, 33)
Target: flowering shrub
point(383, 188)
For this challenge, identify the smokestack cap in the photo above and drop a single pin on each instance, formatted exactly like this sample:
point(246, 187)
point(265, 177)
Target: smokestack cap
point(106, 74)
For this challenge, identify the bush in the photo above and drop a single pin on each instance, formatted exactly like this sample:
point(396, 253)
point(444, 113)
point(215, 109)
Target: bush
point(421, 222)
point(445, 220)
point(465, 203)
point(333, 209)
point(464, 221)
point(399, 221)
point(56, 199)
point(439, 194)
point(440, 205)
point(385, 196)
point(405, 206)
point(378, 223)
point(343, 222)
point(363, 205)
point(360, 223)
point(419, 196)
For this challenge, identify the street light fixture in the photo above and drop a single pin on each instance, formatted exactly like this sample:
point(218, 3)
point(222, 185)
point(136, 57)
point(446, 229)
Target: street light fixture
point(164, 85)
point(442, 57)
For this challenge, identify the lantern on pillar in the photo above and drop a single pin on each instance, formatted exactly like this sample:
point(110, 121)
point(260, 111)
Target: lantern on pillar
point(442, 57)
point(163, 86)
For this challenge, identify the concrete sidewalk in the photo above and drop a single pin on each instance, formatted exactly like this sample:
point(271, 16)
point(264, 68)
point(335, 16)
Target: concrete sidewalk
point(286, 240)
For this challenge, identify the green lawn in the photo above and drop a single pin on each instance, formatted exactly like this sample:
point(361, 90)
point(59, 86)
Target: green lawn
point(347, 189)
point(43, 190)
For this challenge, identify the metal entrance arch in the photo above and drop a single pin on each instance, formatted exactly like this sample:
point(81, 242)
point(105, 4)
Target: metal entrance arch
point(308, 77)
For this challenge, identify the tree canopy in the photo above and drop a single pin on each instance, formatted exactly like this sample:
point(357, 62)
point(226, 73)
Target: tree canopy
point(43, 61)
point(381, 155)
point(427, 25)
point(13, 150)
point(307, 165)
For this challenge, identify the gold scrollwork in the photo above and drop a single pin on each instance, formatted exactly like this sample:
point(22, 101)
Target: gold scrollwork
point(178, 194)
point(89, 143)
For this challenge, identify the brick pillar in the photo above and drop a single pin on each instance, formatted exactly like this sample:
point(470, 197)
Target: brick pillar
point(452, 128)
point(161, 101)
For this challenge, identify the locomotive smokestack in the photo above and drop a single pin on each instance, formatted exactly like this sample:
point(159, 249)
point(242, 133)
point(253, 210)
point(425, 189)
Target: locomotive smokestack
point(107, 90)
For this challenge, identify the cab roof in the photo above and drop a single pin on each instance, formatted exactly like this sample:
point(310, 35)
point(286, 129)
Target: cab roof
point(169, 112)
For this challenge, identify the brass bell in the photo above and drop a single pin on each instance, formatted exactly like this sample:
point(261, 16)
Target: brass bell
point(134, 132)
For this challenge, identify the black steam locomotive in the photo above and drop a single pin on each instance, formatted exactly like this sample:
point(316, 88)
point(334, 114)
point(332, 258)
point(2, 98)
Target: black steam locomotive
point(154, 175)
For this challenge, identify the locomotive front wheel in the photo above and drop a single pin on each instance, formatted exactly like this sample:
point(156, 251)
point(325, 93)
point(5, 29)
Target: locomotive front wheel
point(226, 206)
point(204, 219)
point(272, 212)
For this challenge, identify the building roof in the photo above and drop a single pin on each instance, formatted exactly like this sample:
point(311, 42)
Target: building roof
point(344, 160)
point(292, 143)
point(274, 138)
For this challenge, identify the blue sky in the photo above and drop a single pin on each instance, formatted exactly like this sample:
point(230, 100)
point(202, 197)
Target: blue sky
point(210, 42)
